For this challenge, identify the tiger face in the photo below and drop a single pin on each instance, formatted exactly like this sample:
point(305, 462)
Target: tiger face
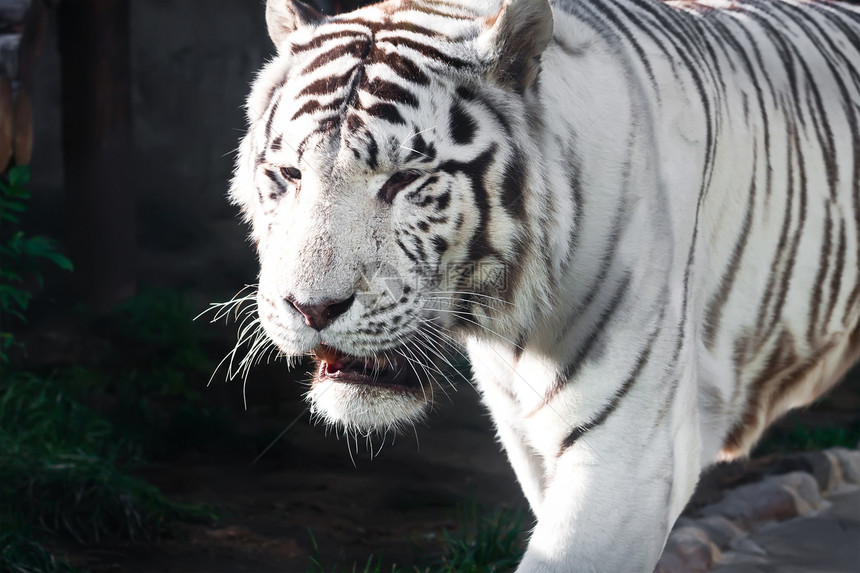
point(385, 200)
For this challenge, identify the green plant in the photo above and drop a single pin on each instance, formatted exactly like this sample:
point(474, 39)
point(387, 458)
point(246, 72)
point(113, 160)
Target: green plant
point(21, 256)
point(64, 454)
point(62, 469)
point(153, 376)
point(801, 437)
point(484, 542)
point(372, 565)
point(63, 477)
point(19, 554)
point(155, 332)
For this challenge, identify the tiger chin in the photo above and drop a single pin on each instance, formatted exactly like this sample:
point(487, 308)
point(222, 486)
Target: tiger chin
point(369, 396)
point(639, 219)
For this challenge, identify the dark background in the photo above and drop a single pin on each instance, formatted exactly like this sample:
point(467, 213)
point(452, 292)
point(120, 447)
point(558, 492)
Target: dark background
point(190, 67)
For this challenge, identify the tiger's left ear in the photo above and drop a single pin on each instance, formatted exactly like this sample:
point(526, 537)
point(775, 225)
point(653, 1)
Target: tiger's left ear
point(515, 39)
point(286, 16)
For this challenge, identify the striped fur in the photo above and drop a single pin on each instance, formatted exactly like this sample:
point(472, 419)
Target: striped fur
point(640, 218)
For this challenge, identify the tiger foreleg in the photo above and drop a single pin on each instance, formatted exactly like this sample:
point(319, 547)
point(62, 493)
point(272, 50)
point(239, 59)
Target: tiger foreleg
point(613, 493)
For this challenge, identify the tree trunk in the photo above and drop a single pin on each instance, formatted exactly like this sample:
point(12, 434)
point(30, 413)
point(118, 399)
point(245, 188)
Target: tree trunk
point(21, 33)
point(97, 147)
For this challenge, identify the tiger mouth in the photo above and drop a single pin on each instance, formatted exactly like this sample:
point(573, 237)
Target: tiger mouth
point(393, 373)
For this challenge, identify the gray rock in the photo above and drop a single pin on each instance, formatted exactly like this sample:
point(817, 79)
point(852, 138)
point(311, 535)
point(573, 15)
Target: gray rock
point(805, 488)
point(827, 541)
point(849, 463)
point(688, 550)
point(719, 530)
point(773, 499)
point(818, 464)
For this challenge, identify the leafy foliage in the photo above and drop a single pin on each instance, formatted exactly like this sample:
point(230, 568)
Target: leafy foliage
point(21, 256)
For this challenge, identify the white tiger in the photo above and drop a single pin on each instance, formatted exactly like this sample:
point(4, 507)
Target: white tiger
point(641, 219)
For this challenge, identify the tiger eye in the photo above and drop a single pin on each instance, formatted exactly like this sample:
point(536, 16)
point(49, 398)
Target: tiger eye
point(291, 173)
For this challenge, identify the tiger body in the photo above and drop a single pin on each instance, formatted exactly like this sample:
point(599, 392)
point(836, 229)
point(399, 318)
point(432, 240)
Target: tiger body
point(641, 219)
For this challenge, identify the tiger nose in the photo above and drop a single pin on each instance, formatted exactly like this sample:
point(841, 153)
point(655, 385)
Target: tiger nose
point(318, 316)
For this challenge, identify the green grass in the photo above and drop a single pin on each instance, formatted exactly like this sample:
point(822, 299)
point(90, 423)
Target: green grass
point(65, 470)
point(19, 554)
point(372, 565)
point(64, 463)
point(67, 459)
point(484, 542)
point(156, 332)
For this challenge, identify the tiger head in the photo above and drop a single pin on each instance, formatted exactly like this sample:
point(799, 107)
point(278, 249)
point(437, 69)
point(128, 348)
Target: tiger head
point(389, 180)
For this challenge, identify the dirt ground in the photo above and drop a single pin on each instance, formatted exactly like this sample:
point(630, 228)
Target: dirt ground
point(308, 489)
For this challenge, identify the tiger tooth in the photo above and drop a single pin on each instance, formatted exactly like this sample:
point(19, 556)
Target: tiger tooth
point(325, 353)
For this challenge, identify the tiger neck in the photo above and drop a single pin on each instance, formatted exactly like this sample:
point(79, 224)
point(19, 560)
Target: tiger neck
point(603, 201)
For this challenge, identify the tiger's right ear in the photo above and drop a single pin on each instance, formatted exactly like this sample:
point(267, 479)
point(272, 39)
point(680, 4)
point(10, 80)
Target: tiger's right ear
point(285, 16)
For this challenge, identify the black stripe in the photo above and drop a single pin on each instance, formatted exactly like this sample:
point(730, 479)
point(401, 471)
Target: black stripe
point(327, 85)
point(388, 91)
point(574, 171)
point(387, 112)
point(479, 245)
point(514, 186)
point(836, 279)
point(714, 312)
point(312, 106)
point(358, 49)
point(788, 271)
point(387, 25)
point(400, 65)
point(354, 123)
point(461, 124)
point(764, 306)
point(613, 404)
point(419, 149)
point(372, 152)
point(409, 254)
point(595, 333)
point(470, 95)
point(413, 196)
point(427, 51)
point(615, 23)
point(440, 245)
point(818, 291)
point(267, 134)
point(318, 41)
